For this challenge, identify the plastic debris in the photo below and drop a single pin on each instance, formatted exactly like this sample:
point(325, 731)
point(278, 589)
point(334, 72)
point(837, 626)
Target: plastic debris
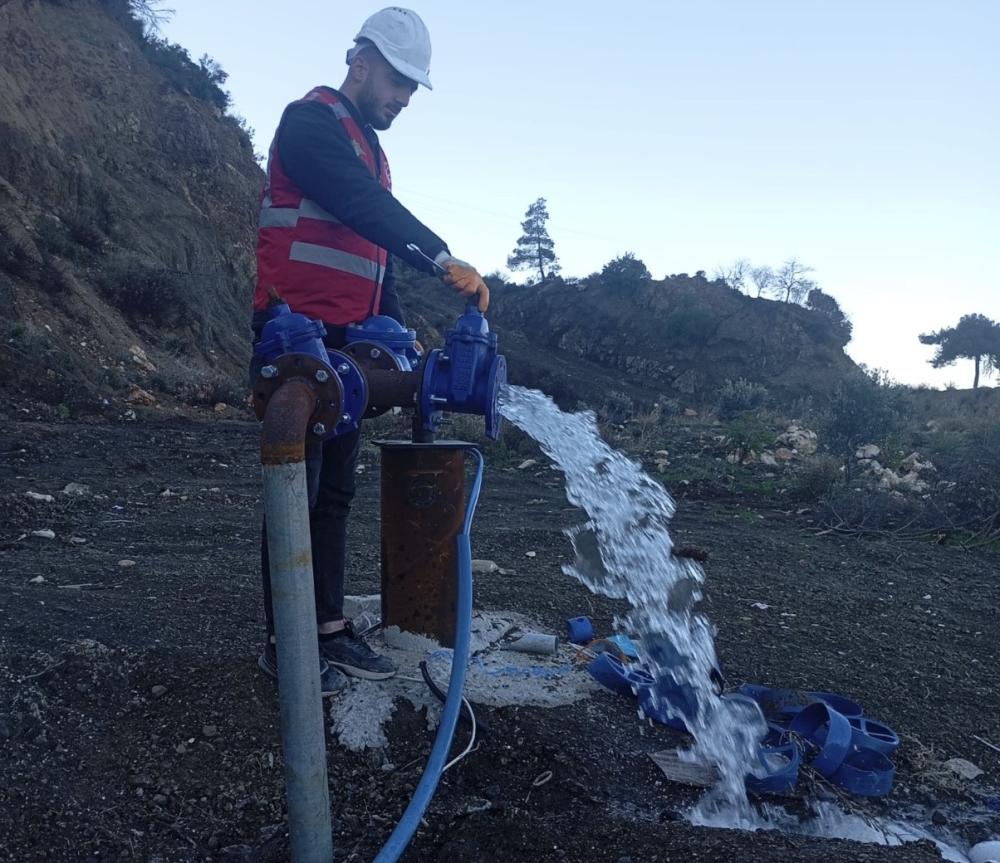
point(963, 768)
point(579, 630)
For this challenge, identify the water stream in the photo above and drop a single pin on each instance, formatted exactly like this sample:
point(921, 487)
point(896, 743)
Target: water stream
point(624, 551)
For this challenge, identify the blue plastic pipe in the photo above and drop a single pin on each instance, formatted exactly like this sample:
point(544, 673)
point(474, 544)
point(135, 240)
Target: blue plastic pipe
point(408, 823)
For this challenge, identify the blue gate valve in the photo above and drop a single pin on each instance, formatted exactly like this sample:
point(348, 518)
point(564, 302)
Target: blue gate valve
point(378, 368)
point(387, 333)
point(465, 376)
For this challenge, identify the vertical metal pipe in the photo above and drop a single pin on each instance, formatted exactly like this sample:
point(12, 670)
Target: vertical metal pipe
point(423, 503)
point(286, 507)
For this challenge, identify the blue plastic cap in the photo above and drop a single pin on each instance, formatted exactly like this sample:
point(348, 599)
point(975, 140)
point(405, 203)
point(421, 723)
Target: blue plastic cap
point(579, 630)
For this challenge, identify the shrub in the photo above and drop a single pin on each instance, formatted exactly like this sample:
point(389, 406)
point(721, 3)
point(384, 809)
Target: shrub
point(165, 297)
point(815, 478)
point(864, 408)
point(625, 272)
point(689, 324)
point(747, 433)
point(736, 397)
point(56, 278)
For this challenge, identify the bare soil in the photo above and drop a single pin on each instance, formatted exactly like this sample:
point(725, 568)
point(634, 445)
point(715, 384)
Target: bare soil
point(135, 725)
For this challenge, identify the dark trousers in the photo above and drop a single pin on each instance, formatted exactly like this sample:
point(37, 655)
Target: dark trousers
point(330, 481)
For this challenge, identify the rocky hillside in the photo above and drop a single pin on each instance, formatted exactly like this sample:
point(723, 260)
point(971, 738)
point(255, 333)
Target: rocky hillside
point(127, 208)
point(127, 219)
point(681, 338)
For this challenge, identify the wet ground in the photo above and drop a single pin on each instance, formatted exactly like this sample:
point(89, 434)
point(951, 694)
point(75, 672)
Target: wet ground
point(134, 724)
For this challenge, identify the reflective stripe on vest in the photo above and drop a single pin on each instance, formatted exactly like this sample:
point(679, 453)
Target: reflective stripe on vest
point(288, 217)
point(315, 261)
point(324, 256)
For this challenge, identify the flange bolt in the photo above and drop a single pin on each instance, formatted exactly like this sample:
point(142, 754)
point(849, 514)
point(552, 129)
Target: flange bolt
point(269, 372)
point(343, 369)
point(319, 429)
point(322, 375)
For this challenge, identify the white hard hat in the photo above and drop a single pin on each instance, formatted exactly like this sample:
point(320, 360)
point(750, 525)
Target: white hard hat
point(403, 40)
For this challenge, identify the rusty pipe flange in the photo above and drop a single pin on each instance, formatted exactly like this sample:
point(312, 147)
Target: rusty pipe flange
point(373, 357)
point(317, 374)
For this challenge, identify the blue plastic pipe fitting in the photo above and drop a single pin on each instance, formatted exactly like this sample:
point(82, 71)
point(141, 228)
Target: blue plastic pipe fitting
point(828, 731)
point(579, 630)
point(869, 734)
point(866, 772)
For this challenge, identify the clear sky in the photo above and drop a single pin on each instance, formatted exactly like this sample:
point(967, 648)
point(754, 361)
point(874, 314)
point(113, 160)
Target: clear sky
point(860, 136)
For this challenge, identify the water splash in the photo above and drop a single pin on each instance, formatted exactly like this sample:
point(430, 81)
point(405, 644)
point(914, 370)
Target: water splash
point(624, 551)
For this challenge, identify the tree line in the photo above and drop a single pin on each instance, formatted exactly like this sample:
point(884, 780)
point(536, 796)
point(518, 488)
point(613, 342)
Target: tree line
point(975, 336)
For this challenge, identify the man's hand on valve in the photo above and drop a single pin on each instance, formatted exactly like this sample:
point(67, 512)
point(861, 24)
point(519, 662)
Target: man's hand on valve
point(465, 279)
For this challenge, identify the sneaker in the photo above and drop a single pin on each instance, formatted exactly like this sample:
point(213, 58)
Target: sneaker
point(349, 652)
point(331, 681)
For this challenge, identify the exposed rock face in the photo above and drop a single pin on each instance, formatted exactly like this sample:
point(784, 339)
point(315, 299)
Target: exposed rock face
point(127, 206)
point(801, 440)
point(683, 335)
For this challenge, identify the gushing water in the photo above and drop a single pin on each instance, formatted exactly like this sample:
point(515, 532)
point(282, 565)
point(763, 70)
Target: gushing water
point(624, 551)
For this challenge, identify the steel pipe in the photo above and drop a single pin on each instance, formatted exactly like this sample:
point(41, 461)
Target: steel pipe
point(286, 508)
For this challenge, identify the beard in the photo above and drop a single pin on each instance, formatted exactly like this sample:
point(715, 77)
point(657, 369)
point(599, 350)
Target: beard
point(376, 113)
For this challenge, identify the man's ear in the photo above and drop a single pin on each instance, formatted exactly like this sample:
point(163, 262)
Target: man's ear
point(361, 67)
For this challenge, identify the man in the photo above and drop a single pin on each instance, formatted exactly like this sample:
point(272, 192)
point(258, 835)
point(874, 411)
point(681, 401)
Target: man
point(328, 223)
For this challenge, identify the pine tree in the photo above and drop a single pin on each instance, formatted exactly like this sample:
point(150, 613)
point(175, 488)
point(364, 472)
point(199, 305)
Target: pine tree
point(535, 249)
point(974, 337)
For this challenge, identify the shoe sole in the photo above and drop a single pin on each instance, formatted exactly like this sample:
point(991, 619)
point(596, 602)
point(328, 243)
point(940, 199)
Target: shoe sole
point(362, 673)
point(270, 672)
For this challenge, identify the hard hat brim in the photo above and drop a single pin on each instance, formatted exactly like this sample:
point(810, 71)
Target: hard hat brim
point(411, 72)
point(401, 66)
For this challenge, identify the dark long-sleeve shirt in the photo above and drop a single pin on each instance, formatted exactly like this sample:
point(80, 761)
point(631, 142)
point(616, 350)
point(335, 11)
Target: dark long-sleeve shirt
point(319, 158)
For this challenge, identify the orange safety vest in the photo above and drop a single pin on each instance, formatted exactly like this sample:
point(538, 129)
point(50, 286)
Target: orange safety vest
point(316, 263)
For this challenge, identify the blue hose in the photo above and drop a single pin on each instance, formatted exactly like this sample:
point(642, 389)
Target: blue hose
point(408, 823)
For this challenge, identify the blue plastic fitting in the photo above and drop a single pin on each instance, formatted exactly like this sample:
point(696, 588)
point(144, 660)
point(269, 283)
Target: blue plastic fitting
point(466, 376)
point(579, 630)
point(625, 645)
point(399, 340)
point(610, 673)
point(828, 731)
point(669, 703)
point(866, 772)
point(781, 705)
point(289, 333)
point(869, 734)
point(843, 705)
point(779, 761)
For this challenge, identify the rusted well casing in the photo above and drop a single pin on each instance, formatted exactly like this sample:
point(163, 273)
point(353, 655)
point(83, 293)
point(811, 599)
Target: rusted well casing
point(423, 506)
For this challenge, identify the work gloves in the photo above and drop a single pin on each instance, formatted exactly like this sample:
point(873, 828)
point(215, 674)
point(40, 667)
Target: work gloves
point(465, 279)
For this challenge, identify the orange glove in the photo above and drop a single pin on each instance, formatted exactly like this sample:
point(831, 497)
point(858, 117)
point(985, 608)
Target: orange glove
point(465, 279)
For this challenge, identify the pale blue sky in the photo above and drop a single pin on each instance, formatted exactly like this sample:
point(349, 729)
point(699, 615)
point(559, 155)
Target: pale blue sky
point(860, 136)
